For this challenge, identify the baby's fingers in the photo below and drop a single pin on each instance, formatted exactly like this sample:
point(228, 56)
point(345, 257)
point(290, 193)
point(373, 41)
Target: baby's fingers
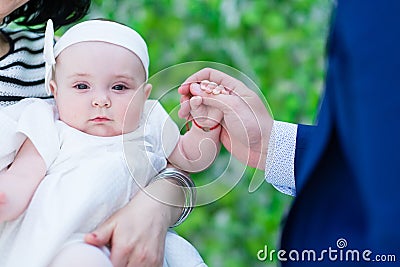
point(195, 102)
point(212, 88)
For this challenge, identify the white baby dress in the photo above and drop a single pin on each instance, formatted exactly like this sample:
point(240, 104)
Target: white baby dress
point(87, 180)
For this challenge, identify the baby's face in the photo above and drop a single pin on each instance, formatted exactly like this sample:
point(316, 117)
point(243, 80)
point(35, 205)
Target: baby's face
point(99, 88)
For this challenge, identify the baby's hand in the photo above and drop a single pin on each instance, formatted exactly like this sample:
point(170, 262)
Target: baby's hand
point(204, 116)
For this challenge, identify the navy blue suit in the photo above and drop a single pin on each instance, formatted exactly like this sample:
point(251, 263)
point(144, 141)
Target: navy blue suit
point(347, 167)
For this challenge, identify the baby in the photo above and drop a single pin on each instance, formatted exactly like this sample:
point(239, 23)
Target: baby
point(64, 170)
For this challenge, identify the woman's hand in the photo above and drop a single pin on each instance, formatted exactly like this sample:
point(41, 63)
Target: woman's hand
point(136, 233)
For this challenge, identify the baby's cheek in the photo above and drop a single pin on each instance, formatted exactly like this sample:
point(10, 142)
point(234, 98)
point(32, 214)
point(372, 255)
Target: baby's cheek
point(131, 122)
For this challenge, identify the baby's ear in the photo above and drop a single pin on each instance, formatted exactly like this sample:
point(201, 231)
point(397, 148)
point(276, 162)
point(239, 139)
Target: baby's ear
point(147, 89)
point(53, 88)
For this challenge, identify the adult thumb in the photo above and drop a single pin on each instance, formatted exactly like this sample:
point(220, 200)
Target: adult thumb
point(101, 236)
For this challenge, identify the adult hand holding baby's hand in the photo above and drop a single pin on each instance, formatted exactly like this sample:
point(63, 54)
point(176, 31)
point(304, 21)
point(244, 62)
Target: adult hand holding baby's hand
point(205, 116)
point(246, 123)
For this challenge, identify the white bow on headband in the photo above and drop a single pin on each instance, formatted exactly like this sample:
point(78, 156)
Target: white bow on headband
point(48, 54)
point(92, 30)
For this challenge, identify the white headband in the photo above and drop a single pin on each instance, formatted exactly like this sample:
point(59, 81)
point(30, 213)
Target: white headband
point(93, 30)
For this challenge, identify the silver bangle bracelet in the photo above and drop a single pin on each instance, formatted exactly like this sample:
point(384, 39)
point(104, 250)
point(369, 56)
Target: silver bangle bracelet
point(188, 188)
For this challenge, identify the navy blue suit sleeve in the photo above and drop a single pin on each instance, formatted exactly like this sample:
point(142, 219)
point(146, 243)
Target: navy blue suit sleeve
point(304, 137)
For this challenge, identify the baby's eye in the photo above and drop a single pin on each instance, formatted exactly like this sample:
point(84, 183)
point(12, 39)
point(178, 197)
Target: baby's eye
point(81, 86)
point(119, 87)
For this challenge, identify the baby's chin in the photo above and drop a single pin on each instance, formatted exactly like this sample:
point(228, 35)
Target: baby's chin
point(103, 131)
point(108, 130)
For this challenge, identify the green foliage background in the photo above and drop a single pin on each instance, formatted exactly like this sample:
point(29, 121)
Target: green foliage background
point(279, 44)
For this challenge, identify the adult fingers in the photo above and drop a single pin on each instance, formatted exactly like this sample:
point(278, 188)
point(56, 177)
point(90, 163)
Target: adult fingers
point(102, 235)
point(218, 77)
point(209, 99)
point(120, 255)
point(222, 102)
point(128, 255)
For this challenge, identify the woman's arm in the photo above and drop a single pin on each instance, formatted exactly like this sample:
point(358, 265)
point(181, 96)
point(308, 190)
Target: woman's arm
point(137, 232)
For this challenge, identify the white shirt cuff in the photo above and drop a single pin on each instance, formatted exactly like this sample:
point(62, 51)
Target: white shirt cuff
point(279, 167)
